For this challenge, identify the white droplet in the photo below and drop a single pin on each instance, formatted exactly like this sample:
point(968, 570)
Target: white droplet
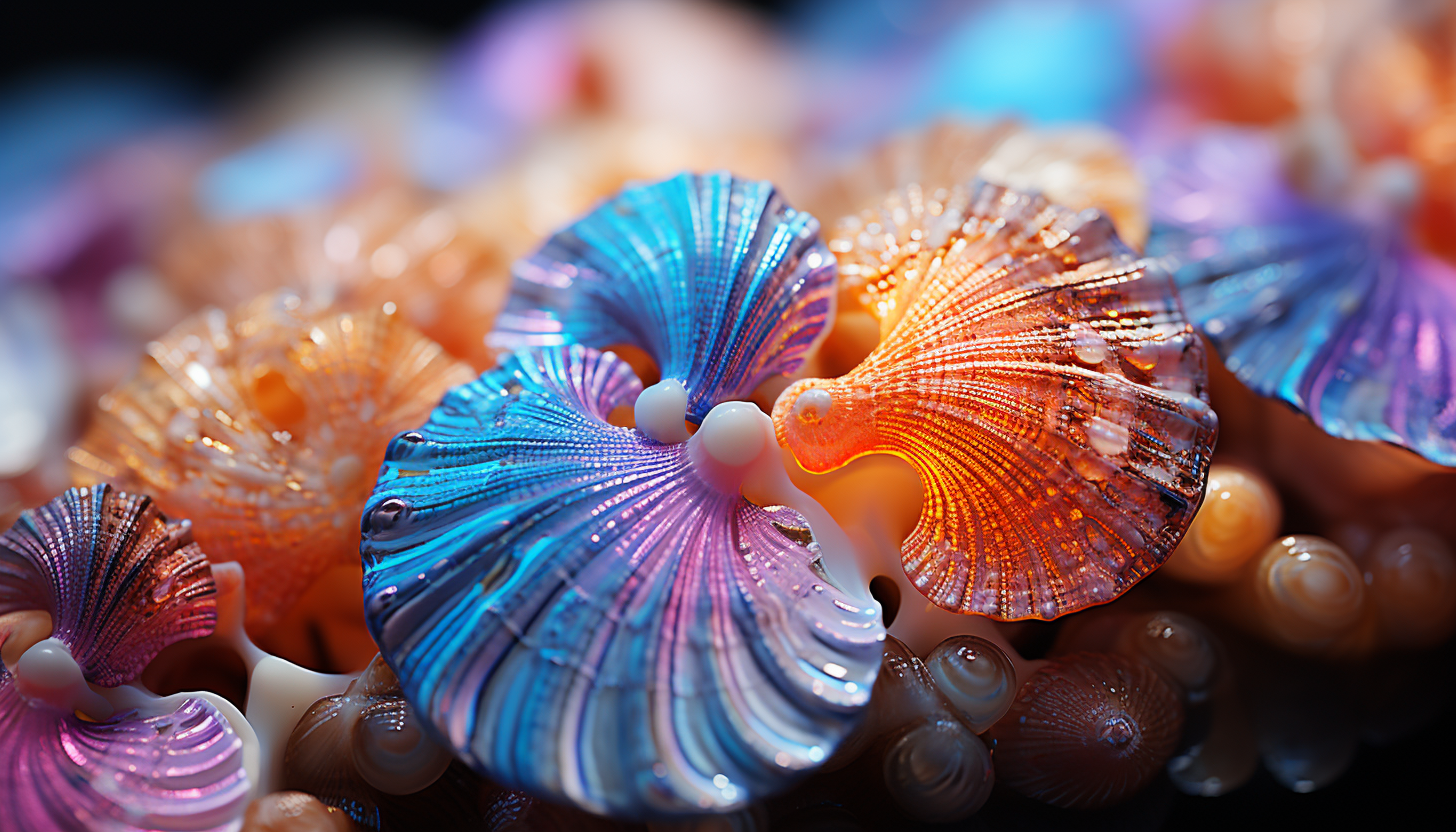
point(660, 411)
point(1105, 437)
point(734, 433)
point(813, 405)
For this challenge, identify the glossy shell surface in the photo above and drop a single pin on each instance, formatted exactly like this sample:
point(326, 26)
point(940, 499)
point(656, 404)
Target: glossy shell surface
point(1048, 390)
point(716, 278)
point(579, 612)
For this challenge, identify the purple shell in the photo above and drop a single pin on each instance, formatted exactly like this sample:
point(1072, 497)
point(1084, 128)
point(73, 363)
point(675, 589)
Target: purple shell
point(119, 581)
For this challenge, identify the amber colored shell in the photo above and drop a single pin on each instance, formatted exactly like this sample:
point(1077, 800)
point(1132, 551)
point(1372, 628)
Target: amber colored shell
point(266, 427)
point(1048, 390)
point(387, 245)
point(1087, 730)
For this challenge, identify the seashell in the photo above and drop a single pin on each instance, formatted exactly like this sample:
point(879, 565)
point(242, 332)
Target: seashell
point(1044, 385)
point(263, 426)
point(1308, 730)
point(1179, 646)
point(976, 677)
point(1343, 320)
point(1239, 518)
point(719, 281)
point(1411, 576)
point(939, 771)
point(585, 613)
point(365, 752)
point(119, 583)
point(385, 245)
point(1307, 592)
point(1087, 730)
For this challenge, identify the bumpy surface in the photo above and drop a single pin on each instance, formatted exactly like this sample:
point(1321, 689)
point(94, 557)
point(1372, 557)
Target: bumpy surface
point(1087, 730)
point(1046, 387)
point(265, 427)
point(1340, 319)
point(579, 612)
point(716, 278)
point(120, 583)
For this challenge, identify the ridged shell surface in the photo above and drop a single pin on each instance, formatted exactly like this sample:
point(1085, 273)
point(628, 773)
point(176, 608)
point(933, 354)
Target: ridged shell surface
point(1048, 390)
point(265, 427)
point(120, 583)
point(716, 278)
point(580, 613)
point(1341, 318)
point(119, 580)
point(1087, 730)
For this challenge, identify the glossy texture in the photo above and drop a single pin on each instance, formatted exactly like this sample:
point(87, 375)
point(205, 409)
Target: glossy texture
point(1087, 730)
point(365, 752)
point(715, 278)
point(1045, 386)
point(1308, 592)
point(939, 771)
point(120, 583)
point(1411, 574)
point(1239, 517)
point(588, 614)
point(1341, 319)
point(976, 677)
point(265, 426)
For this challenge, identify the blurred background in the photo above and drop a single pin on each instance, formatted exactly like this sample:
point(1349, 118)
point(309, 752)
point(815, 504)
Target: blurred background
point(129, 135)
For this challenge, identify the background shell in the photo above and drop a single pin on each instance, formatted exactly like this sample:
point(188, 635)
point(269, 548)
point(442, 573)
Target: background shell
point(265, 426)
point(580, 614)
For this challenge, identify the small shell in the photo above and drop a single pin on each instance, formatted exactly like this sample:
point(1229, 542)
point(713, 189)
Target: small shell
point(365, 752)
point(265, 426)
point(1308, 592)
point(716, 278)
point(1238, 519)
point(975, 677)
point(587, 614)
point(1411, 574)
point(1180, 646)
point(1087, 730)
point(939, 771)
point(1050, 485)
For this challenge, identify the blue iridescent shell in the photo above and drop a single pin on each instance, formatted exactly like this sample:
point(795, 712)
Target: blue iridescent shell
point(579, 613)
point(715, 277)
point(1339, 317)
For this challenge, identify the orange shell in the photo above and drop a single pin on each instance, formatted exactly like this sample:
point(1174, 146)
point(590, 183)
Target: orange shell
point(265, 428)
point(386, 245)
point(1048, 390)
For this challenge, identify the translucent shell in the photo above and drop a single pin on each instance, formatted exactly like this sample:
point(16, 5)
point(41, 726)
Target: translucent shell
point(387, 245)
point(119, 582)
point(1308, 593)
point(582, 612)
point(1347, 323)
point(1047, 389)
point(365, 752)
point(715, 278)
point(1239, 517)
point(1087, 730)
point(975, 676)
point(265, 426)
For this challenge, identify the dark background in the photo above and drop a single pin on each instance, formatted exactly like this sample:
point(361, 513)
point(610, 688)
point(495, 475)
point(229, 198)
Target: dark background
point(217, 46)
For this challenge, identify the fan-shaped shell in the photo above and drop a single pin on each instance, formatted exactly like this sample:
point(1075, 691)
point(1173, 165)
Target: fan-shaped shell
point(1344, 321)
point(119, 580)
point(119, 583)
point(385, 245)
point(1087, 730)
point(1047, 389)
point(264, 426)
point(716, 278)
point(581, 612)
